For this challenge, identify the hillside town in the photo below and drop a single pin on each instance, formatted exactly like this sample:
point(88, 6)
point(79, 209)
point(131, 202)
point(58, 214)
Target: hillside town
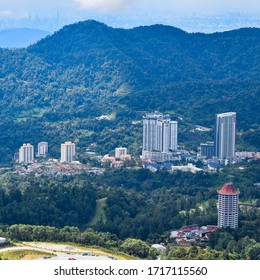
point(160, 150)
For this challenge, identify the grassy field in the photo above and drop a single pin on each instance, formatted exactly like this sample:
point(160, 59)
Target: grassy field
point(100, 212)
point(61, 247)
point(106, 252)
point(23, 254)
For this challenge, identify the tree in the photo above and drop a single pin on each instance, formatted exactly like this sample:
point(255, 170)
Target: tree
point(135, 247)
point(253, 252)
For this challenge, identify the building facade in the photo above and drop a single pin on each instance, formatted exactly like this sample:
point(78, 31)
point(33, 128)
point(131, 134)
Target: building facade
point(159, 134)
point(26, 153)
point(228, 206)
point(68, 151)
point(225, 134)
point(120, 151)
point(207, 149)
point(42, 149)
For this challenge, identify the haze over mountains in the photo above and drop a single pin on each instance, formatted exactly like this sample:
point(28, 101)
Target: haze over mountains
point(88, 69)
point(20, 37)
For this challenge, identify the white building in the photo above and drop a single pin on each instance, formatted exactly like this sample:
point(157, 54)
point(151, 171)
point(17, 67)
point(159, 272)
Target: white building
point(42, 149)
point(159, 134)
point(225, 134)
point(26, 153)
point(120, 151)
point(68, 151)
point(159, 156)
point(228, 206)
point(187, 168)
point(2, 240)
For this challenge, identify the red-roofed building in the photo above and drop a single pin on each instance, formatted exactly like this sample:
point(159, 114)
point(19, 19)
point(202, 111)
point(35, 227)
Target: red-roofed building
point(189, 228)
point(228, 189)
point(117, 163)
point(228, 206)
point(125, 157)
point(184, 243)
point(212, 228)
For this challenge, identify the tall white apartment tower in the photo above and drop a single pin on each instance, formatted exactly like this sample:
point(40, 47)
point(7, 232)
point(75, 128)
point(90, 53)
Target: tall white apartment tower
point(159, 133)
point(26, 153)
point(173, 135)
point(225, 134)
point(151, 130)
point(228, 206)
point(68, 151)
point(42, 149)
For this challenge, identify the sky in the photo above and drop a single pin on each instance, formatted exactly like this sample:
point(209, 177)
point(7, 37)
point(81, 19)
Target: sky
point(17, 8)
point(128, 11)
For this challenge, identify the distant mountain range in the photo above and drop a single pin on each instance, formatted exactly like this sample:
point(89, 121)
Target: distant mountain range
point(89, 69)
point(20, 37)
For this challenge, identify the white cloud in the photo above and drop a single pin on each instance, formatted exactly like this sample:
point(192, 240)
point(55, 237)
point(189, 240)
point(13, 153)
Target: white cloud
point(105, 5)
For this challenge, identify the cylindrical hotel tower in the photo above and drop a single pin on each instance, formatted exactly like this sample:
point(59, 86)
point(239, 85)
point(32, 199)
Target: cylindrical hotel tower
point(228, 206)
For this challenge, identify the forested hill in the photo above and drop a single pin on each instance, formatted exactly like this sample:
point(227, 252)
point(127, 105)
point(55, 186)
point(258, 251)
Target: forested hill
point(149, 57)
point(88, 69)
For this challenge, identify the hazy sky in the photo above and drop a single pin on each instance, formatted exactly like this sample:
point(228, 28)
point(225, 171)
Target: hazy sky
point(22, 8)
point(190, 15)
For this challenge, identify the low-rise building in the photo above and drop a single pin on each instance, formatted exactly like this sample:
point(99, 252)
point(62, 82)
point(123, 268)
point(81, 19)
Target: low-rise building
point(187, 168)
point(214, 167)
point(157, 166)
point(126, 157)
point(207, 149)
point(2, 241)
point(117, 163)
point(120, 151)
point(191, 234)
point(159, 156)
point(107, 160)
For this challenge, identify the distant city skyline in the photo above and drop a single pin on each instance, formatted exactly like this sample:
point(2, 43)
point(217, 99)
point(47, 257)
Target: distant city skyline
point(18, 8)
point(190, 15)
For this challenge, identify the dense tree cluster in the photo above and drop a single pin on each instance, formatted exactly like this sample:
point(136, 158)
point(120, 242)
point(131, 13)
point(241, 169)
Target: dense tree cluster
point(250, 252)
point(43, 201)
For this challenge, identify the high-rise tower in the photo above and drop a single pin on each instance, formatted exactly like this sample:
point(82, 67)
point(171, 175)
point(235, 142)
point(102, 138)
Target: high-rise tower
point(159, 135)
point(42, 149)
point(26, 153)
point(225, 134)
point(228, 206)
point(68, 151)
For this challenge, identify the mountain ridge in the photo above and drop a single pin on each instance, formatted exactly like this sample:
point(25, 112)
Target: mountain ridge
point(89, 69)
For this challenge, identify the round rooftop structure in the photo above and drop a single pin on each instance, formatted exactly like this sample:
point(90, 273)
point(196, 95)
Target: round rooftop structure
point(228, 189)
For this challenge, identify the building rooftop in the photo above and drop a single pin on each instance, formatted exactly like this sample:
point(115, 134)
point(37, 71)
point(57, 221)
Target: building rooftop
point(226, 114)
point(228, 189)
point(214, 165)
point(166, 165)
